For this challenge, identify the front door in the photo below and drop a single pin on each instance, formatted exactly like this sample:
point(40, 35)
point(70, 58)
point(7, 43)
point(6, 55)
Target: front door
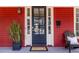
point(39, 25)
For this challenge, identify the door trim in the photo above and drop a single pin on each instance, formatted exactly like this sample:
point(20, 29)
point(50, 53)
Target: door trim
point(28, 38)
point(50, 37)
point(45, 23)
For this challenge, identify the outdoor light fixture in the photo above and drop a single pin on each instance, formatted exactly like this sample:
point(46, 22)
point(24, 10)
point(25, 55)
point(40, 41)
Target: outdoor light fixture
point(58, 23)
point(19, 11)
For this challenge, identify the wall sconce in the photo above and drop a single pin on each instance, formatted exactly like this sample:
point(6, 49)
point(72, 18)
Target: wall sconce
point(19, 11)
point(58, 23)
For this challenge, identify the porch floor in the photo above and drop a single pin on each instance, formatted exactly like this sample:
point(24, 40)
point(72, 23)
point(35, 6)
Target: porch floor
point(27, 50)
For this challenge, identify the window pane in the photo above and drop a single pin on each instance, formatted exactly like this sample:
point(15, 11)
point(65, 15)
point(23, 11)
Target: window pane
point(28, 11)
point(36, 12)
point(77, 19)
point(77, 26)
point(77, 33)
point(36, 20)
point(77, 10)
point(28, 21)
point(41, 30)
point(49, 20)
point(41, 11)
point(41, 20)
point(49, 29)
point(49, 12)
point(28, 26)
point(28, 29)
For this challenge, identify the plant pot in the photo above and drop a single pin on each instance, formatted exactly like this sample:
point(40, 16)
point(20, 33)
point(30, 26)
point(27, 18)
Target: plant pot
point(16, 46)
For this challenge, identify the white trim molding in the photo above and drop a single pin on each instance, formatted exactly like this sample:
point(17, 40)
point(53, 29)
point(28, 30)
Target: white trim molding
point(50, 37)
point(28, 37)
point(75, 20)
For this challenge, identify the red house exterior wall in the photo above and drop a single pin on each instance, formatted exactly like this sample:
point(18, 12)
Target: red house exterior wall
point(7, 15)
point(66, 16)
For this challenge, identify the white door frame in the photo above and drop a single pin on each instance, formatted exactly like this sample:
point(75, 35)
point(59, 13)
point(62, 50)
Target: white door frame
point(75, 20)
point(28, 37)
point(49, 37)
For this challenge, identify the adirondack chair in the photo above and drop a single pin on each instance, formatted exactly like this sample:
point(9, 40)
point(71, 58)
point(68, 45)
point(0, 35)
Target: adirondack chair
point(68, 43)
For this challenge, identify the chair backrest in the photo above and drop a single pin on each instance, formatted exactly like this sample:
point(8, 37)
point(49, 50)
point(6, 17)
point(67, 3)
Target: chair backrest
point(68, 33)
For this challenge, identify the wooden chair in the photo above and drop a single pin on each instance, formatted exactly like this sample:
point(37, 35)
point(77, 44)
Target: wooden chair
point(68, 45)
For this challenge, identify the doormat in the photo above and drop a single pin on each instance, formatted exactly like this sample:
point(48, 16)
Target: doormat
point(39, 49)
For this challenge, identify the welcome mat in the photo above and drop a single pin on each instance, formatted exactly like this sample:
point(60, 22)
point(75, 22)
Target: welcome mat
point(39, 49)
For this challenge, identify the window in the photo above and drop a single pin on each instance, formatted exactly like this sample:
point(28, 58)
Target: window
point(77, 21)
point(49, 20)
point(49, 11)
point(28, 11)
point(36, 12)
point(41, 11)
point(28, 20)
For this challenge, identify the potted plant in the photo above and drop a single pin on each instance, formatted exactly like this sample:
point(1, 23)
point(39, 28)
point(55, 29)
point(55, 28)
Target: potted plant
point(15, 35)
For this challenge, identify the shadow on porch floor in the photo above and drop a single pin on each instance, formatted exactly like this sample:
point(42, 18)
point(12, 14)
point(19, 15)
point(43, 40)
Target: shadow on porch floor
point(27, 50)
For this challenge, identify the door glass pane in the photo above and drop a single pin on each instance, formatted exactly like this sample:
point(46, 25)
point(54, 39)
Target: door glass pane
point(36, 12)
point(49, 29)
point(41, 11)
point(36, 29)
point(77, 10)
point(28, 21)
point(41, 20)
point(28, 26)
point(49, 12)
point(77, 33)
point(28, 29)
point(39, 24)
point(77, 26)
point(49, 21)
point(41, 30)
point(36, 25)
point(28, 11)
point(77, 21)
point(36, 20)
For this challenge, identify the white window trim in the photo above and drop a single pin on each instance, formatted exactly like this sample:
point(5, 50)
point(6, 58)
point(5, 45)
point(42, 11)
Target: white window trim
point(28, 37)
point(75, 21)
point(50, 37)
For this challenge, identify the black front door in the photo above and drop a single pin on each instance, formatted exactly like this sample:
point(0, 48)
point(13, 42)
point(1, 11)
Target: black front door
point(39, 25)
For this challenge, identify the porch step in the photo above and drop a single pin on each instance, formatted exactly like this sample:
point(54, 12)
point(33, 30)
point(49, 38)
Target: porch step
point(35, 48)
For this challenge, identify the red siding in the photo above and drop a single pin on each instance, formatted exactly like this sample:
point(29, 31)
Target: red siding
point(7, 15)
point(66, 16)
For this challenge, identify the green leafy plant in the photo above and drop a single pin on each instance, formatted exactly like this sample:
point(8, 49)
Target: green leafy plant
point(15, 32)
